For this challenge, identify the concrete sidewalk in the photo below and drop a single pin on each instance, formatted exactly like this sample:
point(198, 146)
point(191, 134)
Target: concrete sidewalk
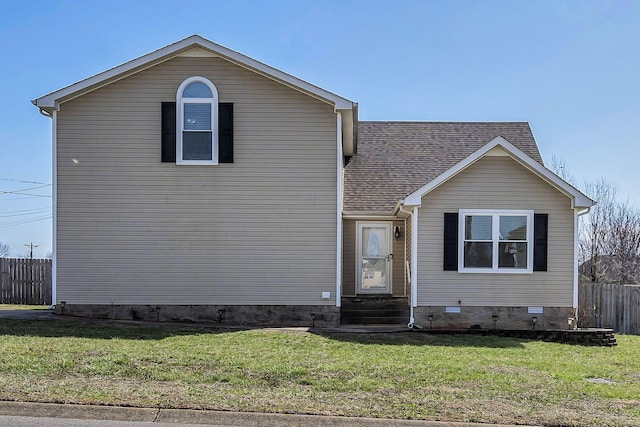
point(204, 417)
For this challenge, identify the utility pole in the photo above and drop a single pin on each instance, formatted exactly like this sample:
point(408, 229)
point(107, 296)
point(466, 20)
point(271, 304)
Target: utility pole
point(31, 246)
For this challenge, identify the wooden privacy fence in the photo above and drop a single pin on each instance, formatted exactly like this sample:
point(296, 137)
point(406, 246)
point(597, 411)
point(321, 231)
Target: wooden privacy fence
point(610, 306)
point(25, 281)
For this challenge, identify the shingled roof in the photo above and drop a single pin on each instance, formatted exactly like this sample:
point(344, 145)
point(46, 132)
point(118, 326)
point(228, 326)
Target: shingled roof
point(396, 158)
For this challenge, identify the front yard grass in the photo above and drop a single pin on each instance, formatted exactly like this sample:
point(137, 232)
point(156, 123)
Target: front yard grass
point(401, 375)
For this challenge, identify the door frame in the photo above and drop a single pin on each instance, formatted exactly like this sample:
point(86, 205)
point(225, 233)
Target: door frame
point(358, 285)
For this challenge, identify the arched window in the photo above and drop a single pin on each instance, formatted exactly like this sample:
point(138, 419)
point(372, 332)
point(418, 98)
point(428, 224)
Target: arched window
point(197, 122)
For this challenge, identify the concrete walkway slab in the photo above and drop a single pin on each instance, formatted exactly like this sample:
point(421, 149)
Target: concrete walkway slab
point(204, 417)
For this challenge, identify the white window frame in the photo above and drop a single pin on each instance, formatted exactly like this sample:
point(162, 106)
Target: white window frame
point(180, 101)
point(495, 230)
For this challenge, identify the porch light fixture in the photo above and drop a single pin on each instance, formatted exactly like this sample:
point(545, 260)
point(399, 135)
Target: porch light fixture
point(62, 304)
point(430, 319)
point(396, 232)
point(495, 320)
point(534, 320)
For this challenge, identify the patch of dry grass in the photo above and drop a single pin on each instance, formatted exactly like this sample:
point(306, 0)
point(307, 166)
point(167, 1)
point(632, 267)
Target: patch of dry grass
point(407, 375)
point(23, 307)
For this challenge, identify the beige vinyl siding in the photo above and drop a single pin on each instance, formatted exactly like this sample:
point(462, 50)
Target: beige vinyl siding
point(397, 286)
point(350, 263)
point(349, 254)
point(133, 230)
point(495, 183)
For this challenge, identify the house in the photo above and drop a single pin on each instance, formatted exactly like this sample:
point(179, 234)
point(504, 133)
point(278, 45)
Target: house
point(196, 183)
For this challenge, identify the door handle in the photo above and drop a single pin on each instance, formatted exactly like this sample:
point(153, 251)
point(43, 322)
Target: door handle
point(389, 257)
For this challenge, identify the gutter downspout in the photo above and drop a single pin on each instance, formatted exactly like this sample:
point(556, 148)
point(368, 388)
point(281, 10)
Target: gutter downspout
point(54, 208)
point(54, 202)
point(414, 259)
point(339, 172)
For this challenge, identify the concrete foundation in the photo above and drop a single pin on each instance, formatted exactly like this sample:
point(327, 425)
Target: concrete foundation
point(321, 316)
point(515, 318)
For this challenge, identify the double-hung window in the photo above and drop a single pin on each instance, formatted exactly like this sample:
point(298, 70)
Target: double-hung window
point(495, 241)
point(197, 122)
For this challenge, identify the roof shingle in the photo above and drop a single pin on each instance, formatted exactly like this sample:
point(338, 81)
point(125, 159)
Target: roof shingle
point(396, 158)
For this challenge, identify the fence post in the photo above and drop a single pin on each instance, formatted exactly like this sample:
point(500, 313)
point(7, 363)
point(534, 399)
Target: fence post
point(4, 280)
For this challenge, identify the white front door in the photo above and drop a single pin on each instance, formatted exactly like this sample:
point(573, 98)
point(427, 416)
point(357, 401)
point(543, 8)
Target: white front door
point(374, 258)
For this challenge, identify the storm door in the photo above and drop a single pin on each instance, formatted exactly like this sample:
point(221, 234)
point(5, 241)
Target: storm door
point(374, 258)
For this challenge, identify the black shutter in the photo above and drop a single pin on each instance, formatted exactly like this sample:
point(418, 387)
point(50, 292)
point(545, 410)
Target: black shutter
point(225, 133)
point(169, 132)
point(540, 231)
point(451, 242)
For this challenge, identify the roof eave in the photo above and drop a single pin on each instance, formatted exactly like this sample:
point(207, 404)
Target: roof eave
point(51, 101)
point(578, 199)
point(400, 209)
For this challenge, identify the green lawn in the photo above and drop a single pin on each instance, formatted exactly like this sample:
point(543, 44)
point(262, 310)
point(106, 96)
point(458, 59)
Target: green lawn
point(401, 375)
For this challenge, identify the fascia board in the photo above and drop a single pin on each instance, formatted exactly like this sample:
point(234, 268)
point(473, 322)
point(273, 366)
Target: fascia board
point(268, 71)
point(367, 214)
point(578, 199)
point(51, 100)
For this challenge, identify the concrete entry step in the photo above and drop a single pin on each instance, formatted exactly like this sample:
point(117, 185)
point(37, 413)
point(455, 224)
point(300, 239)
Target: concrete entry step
point(374, 320)
point(374, 310)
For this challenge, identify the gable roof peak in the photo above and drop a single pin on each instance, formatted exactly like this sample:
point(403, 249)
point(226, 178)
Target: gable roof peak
point(396, 159)
point(578, 199)
point(52, 101)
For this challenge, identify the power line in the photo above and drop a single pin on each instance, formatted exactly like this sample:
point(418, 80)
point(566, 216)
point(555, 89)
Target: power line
point(23, 194)
point(21, 198)
point(26, 182)
point(21, 191)
point(15, 222)
point(27, 212)
point(27, 189)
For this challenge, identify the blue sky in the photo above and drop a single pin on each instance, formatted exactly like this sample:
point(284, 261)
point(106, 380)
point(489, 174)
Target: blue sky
point(569, 68)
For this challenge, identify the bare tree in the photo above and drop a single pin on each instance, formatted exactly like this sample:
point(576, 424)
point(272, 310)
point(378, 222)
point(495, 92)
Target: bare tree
point(609, 236)
point(595, 226)
point(4, 250)
point(560, 168)
point(623, 245)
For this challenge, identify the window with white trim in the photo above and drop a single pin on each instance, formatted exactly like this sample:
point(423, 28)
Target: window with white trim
point(495, 241)
point(197, 122)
